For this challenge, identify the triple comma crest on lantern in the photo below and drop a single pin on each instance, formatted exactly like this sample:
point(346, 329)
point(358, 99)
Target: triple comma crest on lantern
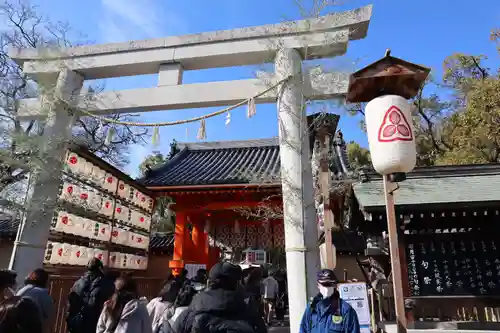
point(394, 127)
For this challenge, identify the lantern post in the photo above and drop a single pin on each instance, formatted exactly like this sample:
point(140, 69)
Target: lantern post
point(386, 85)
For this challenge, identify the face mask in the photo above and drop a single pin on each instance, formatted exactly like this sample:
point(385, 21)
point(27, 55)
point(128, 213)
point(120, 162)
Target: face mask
point(326, 291)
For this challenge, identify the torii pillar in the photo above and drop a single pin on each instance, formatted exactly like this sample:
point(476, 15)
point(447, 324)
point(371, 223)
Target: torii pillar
point(299, 212)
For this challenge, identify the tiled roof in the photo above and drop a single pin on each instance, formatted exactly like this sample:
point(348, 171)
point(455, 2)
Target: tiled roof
point(436, 185)
point(223, 162)
point(162, 241)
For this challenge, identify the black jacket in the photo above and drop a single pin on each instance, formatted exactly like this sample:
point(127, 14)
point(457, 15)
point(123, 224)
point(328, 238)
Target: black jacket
point(219, 311)
point(86, 300)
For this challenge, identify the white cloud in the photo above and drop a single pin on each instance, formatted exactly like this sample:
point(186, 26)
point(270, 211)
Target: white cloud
point(124, 20)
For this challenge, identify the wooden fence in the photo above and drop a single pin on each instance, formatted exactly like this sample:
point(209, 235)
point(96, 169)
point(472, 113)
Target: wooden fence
point(60, 285)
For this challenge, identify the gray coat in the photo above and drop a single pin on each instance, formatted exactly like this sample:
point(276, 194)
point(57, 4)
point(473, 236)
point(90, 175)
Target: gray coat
point(134, 319)
point(42, 298)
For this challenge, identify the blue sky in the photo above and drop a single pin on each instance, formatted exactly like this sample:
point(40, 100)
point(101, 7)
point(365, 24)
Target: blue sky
point(422, 31)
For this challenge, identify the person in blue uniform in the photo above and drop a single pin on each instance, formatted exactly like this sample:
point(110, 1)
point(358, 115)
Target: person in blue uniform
point(327, 312)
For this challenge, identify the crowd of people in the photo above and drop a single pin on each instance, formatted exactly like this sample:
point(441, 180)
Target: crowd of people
point(227, 299)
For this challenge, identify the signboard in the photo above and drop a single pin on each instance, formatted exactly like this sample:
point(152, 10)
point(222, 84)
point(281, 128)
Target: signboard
point(357, 296)
point(465, 265)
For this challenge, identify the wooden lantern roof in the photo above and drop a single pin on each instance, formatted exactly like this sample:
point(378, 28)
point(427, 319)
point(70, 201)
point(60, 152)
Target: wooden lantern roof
point(387, 76)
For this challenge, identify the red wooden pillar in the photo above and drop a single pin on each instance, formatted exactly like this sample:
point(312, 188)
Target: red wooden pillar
point(180, 248)
point(200, 243)
point(197, 237)
point(206, 249)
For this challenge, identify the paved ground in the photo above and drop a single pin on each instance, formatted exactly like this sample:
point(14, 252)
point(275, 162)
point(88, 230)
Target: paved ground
point(278, 329)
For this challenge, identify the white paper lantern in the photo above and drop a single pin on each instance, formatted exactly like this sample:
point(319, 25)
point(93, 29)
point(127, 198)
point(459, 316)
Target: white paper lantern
point(136, 198)
point(87, 170)
point(98, 175)
point(139, 241)
point(83, 257)
point(114, 259)
point(103, 231)
point(95, 200)
point(391, 138)
point(143, 262)
point(84, 199)
point(110, 183)
point(124, 260)
point(60, 221)
point(118, 211)
point(119, 236)
point(88, 227)
point(69, 192)
point(124, 214)
point(48, 252)
point(74, 255)
point(57, 253)
point(107, 207)
point(149, 204)
point(132, 262)
point(75, 163)
point(102, 255)
point(66, 254)
point(123, 190)
point(69, 223)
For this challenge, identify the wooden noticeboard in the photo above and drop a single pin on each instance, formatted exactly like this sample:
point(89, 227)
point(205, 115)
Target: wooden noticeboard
point(459, 266)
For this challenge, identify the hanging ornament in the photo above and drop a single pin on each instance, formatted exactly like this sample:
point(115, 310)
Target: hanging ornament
point(109, 136)
point(228, 118)
point(155, 140)
point(202, 132)
point(251, 109)
point(101, 128)
point(236, 227)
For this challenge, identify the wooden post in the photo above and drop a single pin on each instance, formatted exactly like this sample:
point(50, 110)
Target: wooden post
point(197, 238)
point(395, 260)
point(328, 218)
point(177, 262)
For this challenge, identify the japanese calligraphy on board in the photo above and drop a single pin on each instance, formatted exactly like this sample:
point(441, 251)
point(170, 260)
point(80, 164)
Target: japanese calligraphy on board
point(99, 210)
point(460, 267)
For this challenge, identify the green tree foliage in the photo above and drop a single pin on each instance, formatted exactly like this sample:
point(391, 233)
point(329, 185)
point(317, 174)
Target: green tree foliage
point(358, 156)
point(163, 217)
point(151, 161)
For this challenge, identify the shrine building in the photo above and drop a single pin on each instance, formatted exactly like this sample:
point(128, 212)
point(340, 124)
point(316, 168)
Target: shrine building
point(449, 240)
point(227, 203)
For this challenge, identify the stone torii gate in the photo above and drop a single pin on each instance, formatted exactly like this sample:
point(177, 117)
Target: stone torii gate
point(288, 43)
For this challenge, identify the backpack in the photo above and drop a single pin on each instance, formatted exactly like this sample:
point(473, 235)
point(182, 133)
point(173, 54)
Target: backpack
point(76, 321)
point(208, 323)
